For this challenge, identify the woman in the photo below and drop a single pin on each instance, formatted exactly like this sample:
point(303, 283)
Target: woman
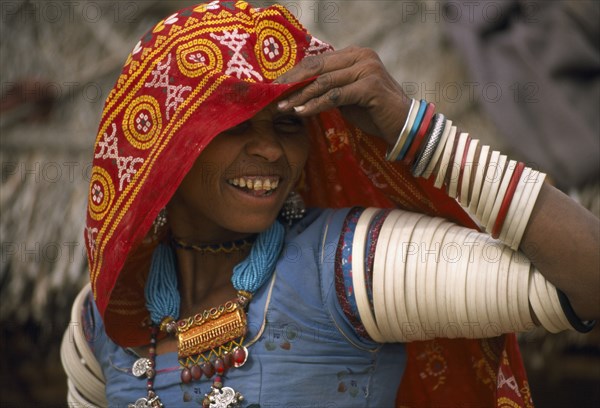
point(203, 298)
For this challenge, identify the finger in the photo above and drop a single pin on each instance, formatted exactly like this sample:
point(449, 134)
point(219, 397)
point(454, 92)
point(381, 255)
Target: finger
point(320, 86)
point(335, 97)
point(318, 64)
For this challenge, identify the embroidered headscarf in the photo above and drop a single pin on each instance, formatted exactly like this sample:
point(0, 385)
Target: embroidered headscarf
point(198, 73)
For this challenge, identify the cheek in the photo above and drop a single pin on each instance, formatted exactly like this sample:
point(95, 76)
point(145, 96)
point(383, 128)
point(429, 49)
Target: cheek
point(297, 156)
point(199, 184)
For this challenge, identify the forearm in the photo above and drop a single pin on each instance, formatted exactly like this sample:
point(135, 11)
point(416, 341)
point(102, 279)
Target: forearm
point(562, 239)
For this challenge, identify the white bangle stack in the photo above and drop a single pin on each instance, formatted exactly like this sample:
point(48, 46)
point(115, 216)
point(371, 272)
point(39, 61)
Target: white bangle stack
point(432, 278)
point(500, 194)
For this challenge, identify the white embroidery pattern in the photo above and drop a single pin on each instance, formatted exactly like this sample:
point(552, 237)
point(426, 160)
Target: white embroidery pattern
point(317, 46)
point(161, 79)
point(270, 47)
point(198, 58)
point(171, 19)
point(373, 175)
point(213, 5)
point(511, 382)
point(126, 165)
point(137, 48)
point(237, 65)
point(91, 240)
point(97, 194)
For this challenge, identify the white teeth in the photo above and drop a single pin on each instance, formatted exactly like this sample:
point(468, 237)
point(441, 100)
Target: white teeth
point(254, 183)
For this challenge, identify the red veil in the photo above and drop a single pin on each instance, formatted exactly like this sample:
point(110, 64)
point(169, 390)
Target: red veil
point(199, 72)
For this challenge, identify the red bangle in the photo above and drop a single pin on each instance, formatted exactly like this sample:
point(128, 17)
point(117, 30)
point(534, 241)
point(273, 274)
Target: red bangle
point(510, 192)
point(462, 167)
point(418, 140)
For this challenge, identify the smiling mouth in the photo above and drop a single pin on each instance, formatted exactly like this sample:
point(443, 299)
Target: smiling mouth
point(256, 186)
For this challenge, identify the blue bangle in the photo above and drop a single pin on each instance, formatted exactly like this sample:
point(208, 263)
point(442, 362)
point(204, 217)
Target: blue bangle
point(414, 129)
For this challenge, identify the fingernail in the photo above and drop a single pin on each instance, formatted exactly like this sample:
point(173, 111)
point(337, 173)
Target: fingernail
point(300, 108)
point(282, 104)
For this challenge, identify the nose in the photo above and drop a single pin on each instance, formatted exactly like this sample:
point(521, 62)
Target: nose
point(264, 143)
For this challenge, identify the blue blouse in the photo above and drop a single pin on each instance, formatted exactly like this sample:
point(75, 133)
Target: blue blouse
point(303, 350)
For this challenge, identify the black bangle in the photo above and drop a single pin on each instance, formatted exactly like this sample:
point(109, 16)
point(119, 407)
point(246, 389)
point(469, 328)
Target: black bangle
point(580, 325)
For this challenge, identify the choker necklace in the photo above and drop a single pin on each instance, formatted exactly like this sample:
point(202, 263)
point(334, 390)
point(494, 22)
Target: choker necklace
point(211, 342)
point(224, 247)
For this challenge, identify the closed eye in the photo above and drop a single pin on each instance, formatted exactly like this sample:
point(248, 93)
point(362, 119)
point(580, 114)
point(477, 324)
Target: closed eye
point(289, 124)
point(239, 129)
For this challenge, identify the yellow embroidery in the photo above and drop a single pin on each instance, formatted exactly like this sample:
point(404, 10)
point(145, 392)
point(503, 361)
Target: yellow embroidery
point(436, 366)
point(276, 47)
point(145, 53)
point(242, 5)
point(142, 122)
point(504, 402)
point(174, 29)
point(144, 171)
point(159, 27)
point(198, 57)
point(121, 80)
point(143, 70)
point(223, 14)
point(101, 193)
point(526, 392)
point(133, 66)
point(159, 40)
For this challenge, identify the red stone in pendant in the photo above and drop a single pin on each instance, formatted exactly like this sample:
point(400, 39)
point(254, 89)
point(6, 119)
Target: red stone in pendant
point(208, 369)
point(228, 360)
point(196, 372)
point(219, 365)
point(239, 356)
point(186, 376)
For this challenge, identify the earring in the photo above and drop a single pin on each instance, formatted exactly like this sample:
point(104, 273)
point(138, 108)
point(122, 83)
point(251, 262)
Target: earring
point(160, 221)
point(293, 208)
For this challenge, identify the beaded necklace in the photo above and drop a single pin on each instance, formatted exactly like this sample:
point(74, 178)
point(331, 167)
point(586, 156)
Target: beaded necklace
point(211, 342)
point(227, 247)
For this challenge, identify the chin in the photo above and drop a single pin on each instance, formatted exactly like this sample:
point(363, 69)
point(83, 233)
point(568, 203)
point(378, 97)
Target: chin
point(251, 224)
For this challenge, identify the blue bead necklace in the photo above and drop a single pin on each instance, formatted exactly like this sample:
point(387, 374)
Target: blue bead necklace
point(197, 357)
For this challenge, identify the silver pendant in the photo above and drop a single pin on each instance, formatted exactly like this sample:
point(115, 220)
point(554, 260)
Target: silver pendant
point(152, 401)
point(140, 403)
point(224, 397)
point(140, 367)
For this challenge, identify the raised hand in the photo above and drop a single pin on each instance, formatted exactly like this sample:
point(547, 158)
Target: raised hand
point(355, 80)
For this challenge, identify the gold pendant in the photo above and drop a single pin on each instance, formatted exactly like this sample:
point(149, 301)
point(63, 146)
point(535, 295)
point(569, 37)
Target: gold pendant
point(210, 329)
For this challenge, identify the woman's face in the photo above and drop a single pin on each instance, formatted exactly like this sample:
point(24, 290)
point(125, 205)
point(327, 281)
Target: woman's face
point(239, 182)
